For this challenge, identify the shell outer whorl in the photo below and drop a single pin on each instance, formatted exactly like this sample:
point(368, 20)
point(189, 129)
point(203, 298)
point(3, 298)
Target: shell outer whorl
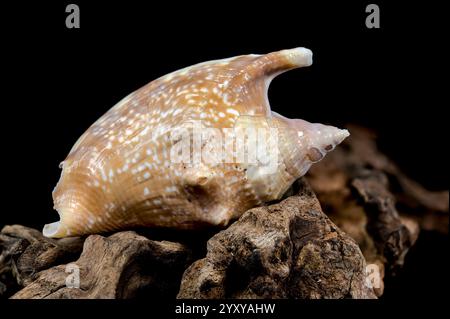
point(194, 148)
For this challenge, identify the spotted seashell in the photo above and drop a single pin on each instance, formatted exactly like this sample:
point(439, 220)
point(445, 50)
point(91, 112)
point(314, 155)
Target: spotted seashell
point(125, 170)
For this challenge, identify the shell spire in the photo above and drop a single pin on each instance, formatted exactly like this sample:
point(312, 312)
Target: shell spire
point(194, 148)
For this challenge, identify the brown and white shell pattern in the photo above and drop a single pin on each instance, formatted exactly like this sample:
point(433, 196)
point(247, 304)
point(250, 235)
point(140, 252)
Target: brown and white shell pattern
point(121, 174)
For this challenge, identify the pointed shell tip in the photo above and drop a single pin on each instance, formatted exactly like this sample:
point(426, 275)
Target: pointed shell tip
point(342, 135)
point(299, 56)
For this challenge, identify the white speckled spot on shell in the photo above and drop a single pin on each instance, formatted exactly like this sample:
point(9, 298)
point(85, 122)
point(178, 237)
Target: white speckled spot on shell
point(120, 173)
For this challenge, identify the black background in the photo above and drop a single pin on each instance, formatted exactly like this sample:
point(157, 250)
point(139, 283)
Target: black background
point(58, 81)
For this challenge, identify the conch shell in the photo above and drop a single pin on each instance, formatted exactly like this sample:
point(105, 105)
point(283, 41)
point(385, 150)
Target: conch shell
point(126, 171)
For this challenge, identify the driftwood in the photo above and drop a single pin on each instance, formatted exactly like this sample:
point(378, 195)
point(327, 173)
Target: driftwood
point(24, 252)
point(359, 156)
point(287, 250)
point(370, 199)
point(369, 216)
